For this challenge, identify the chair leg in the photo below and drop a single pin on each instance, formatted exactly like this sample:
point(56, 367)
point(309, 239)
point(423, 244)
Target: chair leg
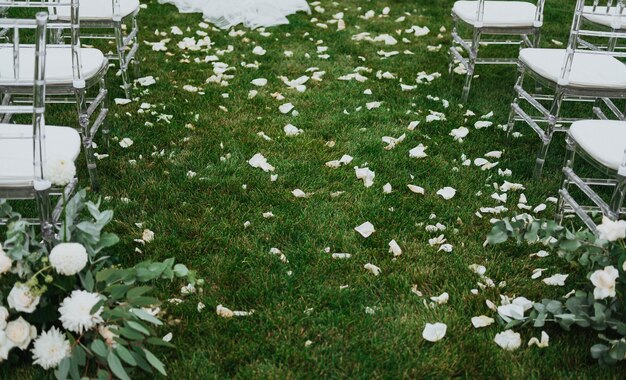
point(612, 41)
point(136, 68)
point(569, 163)
point(104, 107)
point(455, 31)
point(472, 64)
point(546, 139)
point(42, 197)
point(121, 53)
point(519, 82)
point(83, 120)
point(536, 44)
point(618, 197)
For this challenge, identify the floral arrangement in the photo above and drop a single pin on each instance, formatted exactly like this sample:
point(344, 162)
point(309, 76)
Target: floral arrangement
point(71, 306)
point(599, 304)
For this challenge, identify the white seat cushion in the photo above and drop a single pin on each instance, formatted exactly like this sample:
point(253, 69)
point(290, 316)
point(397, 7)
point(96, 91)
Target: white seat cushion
point(601, 17)
point(604, 140)
point(16, 155)
point(98, 9)
point(58, 64)
point(588, 70)
point(499, 14)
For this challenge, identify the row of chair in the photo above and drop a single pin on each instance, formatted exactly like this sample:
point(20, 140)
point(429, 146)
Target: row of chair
point(589, 70)
point(55, 68)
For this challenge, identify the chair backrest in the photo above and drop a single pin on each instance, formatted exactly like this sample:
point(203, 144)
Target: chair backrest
point(538, 23)
point(55, 24)
point(37, 108)
point(577, 43)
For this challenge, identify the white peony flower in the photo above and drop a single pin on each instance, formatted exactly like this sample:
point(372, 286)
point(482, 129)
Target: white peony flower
point(60, 172)
point(4, 314)
point(21, 299)
point(5, 262)
point(20, 333)
point(76, 311)
point(50, 348)
point(508, 340)
point(434, 332)
point(610, 230)
point(604, 281)
point(68, 258)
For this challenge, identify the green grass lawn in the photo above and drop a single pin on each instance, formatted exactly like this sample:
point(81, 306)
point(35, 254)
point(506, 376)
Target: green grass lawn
point(200, 220)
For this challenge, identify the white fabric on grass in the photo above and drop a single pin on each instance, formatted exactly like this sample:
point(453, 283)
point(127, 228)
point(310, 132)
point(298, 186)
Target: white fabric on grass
point(251, 13)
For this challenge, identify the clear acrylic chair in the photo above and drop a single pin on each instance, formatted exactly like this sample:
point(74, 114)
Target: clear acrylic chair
point(27, 150)
point(72, 73)
point(603, 16)
point(573, 74)
point(100, 16)
point(492, 18)
point(601, 143)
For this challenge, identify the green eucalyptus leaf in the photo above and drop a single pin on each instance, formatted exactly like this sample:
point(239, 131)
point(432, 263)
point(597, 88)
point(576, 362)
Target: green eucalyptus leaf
point(125, 355)
point(115, 365)
point(138, 291)
point(155, 362)
point(137, 326)
point(63, 369)
point(99, 348)
point(144, 315)
point(180, 270)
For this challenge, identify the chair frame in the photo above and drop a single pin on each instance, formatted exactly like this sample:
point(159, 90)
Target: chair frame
point(563, 91)
point(126, 45)
point(613, 178)
point(612, 43)
point(470, 46)
point(65, 93)
point(40, 189)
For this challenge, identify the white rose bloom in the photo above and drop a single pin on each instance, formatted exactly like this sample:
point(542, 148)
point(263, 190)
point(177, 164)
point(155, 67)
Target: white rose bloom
point(4, 314)
point(5, 346)
point(68, 258)
point(508, 340)
point(50, 348)
point(60, 172)
point(21, 299)
point(5, 262)
point(604, 281)
point(76, 311)
point(20, 333)
point(610, 230)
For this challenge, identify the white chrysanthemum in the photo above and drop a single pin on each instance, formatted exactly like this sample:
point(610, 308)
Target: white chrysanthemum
point(60, 172)
point(76, 313)
point(50, 348)
point(68, 258)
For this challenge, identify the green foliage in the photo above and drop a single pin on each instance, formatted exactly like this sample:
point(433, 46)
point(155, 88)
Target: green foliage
point(118, 346)
point(590, 253)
